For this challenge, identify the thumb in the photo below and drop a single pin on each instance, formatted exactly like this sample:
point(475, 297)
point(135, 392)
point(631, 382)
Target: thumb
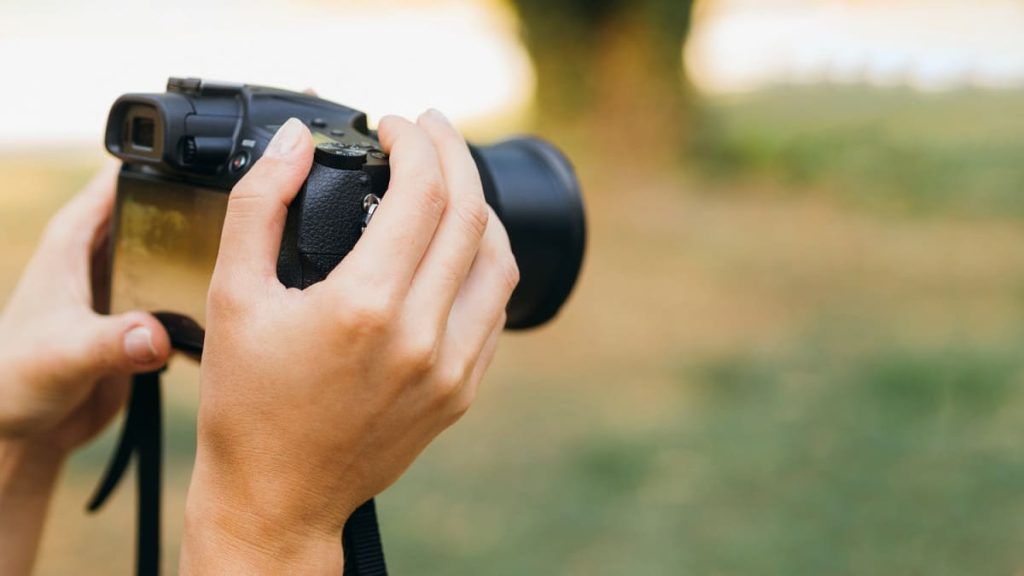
point(129, 343)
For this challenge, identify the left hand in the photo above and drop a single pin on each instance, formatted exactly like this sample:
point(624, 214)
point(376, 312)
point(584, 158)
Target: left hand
point(64, 369)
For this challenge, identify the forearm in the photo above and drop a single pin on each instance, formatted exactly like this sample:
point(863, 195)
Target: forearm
point(28, 474)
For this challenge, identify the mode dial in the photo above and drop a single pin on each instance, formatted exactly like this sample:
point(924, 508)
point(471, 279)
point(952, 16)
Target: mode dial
point(340, 156)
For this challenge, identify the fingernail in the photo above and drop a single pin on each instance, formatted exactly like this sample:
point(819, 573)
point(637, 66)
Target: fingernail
point(138, 345)
point(286, 139)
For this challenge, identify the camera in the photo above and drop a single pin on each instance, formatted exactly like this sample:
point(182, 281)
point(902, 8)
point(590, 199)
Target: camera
point(184, 149)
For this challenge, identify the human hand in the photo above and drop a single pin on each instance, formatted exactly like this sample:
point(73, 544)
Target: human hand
point(314, 401)
point(64, 369)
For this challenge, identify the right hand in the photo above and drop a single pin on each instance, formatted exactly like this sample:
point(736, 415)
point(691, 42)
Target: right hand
point(314, 401)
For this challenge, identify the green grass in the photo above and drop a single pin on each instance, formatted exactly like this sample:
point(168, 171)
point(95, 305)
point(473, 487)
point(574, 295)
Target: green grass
point(900, 461)
point(961, 152)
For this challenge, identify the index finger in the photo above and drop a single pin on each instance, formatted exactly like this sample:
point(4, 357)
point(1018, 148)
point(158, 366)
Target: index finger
point(392, 246)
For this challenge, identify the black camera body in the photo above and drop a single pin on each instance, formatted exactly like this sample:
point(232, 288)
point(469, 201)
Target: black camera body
point(184, 150)
point(200, 137)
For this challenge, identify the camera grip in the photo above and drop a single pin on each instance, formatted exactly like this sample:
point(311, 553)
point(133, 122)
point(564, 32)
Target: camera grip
point(324, 223)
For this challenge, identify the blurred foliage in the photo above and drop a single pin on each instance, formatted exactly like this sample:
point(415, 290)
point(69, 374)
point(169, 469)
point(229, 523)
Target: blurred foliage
point(959, 151)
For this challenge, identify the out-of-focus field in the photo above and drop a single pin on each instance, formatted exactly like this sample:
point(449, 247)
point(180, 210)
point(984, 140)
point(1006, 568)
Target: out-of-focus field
point(799, 354)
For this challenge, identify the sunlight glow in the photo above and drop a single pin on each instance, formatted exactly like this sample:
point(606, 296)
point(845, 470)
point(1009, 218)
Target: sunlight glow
point(742, 45)
point(64, 63)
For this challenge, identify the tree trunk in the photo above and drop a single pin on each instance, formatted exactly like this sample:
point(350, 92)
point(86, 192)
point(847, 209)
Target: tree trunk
point(612, 76)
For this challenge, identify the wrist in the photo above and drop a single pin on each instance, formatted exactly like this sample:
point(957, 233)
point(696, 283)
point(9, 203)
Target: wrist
point(228, 535)
point(28, 474)
point(28, 467)
point(16, 425)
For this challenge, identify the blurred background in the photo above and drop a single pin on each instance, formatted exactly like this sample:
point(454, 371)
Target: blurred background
point(795, 347)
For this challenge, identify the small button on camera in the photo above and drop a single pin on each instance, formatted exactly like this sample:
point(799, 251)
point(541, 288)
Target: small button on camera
point(239, 161)
point(318, 123)
point(370, 204)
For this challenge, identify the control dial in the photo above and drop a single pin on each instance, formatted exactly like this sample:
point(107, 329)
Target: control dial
point(340, 156)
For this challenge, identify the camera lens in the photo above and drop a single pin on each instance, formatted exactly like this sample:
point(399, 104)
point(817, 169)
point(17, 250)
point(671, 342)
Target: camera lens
point(533, 189)
point(143, 130)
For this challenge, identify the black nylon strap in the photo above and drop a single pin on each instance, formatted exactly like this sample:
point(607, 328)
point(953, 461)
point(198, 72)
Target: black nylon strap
point(142, 436)
point(149, 449)
point(364, 554)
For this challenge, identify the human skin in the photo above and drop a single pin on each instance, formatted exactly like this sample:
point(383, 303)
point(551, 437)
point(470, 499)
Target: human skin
point(64, 370)
point(313, 401)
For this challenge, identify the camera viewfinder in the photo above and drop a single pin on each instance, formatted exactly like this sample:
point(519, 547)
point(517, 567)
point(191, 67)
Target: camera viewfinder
point(142, 133)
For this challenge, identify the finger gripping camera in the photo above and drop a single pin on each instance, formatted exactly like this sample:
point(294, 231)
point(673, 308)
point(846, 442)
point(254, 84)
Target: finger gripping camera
point(184, 149)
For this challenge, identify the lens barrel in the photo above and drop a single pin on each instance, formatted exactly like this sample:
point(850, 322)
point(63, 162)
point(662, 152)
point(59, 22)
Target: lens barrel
point(534, 191)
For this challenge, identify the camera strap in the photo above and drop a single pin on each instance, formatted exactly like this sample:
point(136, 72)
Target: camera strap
point(142, 436)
